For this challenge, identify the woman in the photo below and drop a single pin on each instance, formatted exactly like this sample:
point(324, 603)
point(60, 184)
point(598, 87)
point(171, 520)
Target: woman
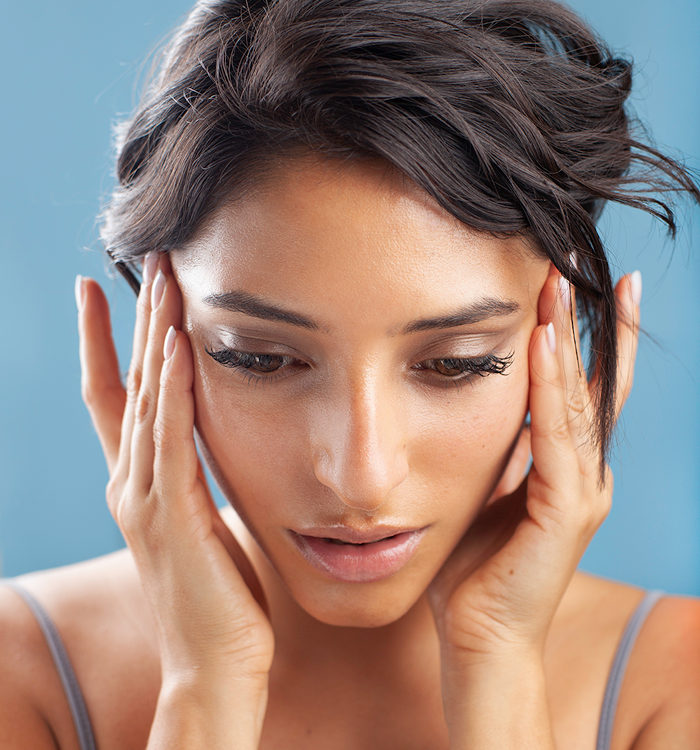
point(365, 231)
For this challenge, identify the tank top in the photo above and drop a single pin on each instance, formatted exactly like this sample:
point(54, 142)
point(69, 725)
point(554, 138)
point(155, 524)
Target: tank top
point(86, 736)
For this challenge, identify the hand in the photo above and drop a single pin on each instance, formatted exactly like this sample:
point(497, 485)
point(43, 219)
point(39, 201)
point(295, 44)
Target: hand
point(497, 594)
point(202, 589)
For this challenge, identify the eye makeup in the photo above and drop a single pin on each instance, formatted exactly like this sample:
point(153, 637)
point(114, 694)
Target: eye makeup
point(438, 359)
point(255, 366)
point(258, 366)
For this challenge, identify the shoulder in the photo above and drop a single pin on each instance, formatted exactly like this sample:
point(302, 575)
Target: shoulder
point(659, 704)
point(663, 676)
point(28, 691)
point(104, 622)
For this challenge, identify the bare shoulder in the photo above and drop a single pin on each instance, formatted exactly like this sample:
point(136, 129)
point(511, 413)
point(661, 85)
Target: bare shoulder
point(28, 694)
point(104, 622)
point(664, 676)
point(659, 704)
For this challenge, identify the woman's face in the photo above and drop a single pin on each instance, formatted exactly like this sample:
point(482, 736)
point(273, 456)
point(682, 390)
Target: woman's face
point(389, 386)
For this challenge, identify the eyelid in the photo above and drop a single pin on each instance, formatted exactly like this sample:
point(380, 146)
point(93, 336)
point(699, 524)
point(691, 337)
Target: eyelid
point(256, 345)
point(463, 345)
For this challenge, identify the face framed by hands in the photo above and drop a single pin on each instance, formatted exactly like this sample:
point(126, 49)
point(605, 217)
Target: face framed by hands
point(361, 363)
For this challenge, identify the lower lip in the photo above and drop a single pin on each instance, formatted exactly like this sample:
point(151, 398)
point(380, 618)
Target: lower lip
point(359, 563)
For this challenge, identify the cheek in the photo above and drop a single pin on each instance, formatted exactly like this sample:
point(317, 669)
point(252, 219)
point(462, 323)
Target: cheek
point(457, 443)
point(254, 442)
point(466, 442)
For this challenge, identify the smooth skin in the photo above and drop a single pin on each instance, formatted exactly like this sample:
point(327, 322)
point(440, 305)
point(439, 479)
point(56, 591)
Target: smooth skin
point(210, 632)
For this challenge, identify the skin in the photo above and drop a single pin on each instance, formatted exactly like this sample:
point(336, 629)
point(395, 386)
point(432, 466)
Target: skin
point(234, 640)
point(357, 436)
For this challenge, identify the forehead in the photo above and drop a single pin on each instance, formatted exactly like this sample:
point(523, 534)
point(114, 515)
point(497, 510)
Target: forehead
point(347, 232)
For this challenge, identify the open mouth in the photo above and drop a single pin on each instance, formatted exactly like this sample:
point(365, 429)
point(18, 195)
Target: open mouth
point(362, 561)
point(330, 540)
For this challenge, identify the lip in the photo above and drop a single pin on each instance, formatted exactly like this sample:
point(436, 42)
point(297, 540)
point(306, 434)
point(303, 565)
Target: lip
point(358, 556)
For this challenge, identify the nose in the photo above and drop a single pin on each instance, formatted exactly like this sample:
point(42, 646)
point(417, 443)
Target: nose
point(360, 446)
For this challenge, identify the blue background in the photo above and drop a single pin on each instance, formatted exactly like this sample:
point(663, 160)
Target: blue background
point(70, 70)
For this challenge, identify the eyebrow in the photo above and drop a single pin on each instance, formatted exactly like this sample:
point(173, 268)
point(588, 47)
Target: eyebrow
point(258, 307)
point(476, 312)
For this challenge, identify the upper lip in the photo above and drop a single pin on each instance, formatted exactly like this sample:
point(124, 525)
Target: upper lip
point(354, 536)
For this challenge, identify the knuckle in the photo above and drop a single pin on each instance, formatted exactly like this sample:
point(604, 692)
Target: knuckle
point(96, 394)
point(559, 430)
point(113, 495)
point(587, 520)
point(133, 380)
point(143, 406)
point(597, 509)
point(90, 395)
point(134, 516)
point(165, 436)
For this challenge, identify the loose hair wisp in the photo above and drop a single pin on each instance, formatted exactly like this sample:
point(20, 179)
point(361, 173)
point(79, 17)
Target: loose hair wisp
point(509, 113)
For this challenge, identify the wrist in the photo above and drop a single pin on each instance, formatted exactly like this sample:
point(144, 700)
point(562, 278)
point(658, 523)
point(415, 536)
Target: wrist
point(198, 710)
point(497, 702)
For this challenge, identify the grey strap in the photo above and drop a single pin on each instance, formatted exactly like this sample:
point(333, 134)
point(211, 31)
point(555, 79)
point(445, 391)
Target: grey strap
point(619, 665)
point(63, 666)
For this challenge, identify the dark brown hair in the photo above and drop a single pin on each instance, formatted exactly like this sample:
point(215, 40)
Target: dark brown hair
point(509, 113)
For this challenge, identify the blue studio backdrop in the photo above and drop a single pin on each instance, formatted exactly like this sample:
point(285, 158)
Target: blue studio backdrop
point(72, 68)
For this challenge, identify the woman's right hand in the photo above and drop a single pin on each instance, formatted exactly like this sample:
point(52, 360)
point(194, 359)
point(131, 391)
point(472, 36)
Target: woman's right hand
point(216, 643)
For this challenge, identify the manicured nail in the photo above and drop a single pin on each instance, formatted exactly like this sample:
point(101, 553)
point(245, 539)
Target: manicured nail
point(149, 267)
point(565, 292)
point(169, 345)
point(636, 287)
point(157, 290)
point(79, 293)
point(551, 338)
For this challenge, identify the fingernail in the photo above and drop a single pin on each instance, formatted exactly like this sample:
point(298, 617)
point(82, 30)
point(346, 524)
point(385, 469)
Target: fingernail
point(79, 293)
point(636, 287)
point(169, 345)
point(551, 338)
point(157, 290)
point(149, 267)
point(565, 292)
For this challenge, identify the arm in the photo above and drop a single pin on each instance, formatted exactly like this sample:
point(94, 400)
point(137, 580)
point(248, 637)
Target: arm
point(495, 598)
point(215, 640)
point(499, 703)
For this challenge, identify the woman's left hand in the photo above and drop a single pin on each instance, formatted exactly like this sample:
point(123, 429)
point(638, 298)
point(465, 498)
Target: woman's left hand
point(496, 596)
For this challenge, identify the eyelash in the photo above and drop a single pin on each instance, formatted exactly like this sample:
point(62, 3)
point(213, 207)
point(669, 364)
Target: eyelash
point(463, 369)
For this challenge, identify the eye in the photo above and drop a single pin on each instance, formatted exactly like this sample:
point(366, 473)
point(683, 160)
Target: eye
point(459, 370)
point(253, 364)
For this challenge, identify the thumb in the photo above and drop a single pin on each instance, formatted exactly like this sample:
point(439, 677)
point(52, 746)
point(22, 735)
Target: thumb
point(234, 549)
point(101, 385)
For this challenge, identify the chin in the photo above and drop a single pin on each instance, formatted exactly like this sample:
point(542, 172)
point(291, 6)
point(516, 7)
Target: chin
point(359, 605)
point(357, 618)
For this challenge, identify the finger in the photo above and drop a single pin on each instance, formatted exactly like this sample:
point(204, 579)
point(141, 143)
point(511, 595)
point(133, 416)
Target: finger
point(101, 386)
point(553, 449)
point(135, 376)
point(235, 551)
point(166, 312)
point(558, 306)
point(628, 294)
